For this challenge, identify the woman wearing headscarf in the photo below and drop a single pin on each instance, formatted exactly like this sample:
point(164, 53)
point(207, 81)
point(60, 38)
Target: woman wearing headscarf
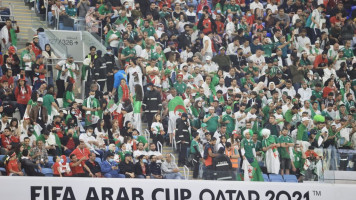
point(269, 146)
point(49, 55)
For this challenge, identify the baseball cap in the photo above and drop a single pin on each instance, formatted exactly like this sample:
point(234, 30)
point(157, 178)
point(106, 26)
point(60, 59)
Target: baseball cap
point(40, 99)
point(208, 58)
point(305, 119)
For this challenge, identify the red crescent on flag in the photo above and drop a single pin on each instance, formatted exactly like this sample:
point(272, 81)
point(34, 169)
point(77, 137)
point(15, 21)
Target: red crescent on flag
point(179, 107)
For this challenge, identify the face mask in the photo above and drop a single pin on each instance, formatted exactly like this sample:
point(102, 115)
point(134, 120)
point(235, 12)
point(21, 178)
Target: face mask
point(62, 161)
point(111, 160)
point(134, 137)
point(144, 161)
point(92, 96)
point(298, 149)
point(109, 53)
point(126, 6)
point(73, 112)
point(218, 11)
point(89, 134)
point(160, 28)
point(249, 14)
point(148, 89)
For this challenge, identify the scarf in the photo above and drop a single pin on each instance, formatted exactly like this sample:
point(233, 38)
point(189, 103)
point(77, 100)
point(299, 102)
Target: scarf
point(270, 140)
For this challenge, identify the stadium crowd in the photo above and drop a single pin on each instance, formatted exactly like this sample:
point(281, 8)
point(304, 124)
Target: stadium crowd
point(252, 87)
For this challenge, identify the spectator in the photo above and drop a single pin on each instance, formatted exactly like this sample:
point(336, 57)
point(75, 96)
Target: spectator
point(8, 34)
point(110, 168)
point(93, 165)
point(127, 166)
point(78, 166)
point(141, 167)
point(170, 169)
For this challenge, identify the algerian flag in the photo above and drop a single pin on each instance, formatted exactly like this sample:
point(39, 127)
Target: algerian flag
point(112, 106)
point(176, 107)
point(252, 171)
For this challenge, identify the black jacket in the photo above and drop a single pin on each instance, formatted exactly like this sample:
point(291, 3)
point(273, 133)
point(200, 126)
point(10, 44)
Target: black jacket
point(124, 167)
point(182, 131)
point(222, 167)
point(30, 168)
point(100, 69)
point(138, 169)
point(94, 167)
point(155, 168)
point(152, 102)
point(184, 40)
point(110, 63)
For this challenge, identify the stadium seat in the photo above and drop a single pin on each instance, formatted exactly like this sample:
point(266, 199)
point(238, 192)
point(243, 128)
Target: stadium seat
point(276, 178)
point(47, 171)
point(2, 157)
point(50, 160)
point(265, 177)
point(2, 169)
point(98, 160)
point(290, 178)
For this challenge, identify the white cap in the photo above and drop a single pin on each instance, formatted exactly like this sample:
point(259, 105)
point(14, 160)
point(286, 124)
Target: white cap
point(152, 38)
point(333, 124)
point(208, 58)
point(305, 119)
point(40, 99)
point(211, 108)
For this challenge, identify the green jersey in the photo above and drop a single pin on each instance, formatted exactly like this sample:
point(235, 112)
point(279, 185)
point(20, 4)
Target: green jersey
point(248, 146)
point(348, 53)
point(284, 151)
point(302, 133)
point(47, 102)
point(180, 87)
point(193, 144)
point(212, 123)
point(127, 51)
point(150, 31)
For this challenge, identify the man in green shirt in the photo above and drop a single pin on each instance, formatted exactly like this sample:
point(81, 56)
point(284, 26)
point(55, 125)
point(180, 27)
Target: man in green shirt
point(229, 121)
point(348, 53)
point(139, 138)
point(149, 29)
point(129, 52)
point(318, 93)
point(91, 106)
point(211, 120)
point(48, 102)
point(298, 161)
point(195, 152)
point(232, 8)
point(302, 133)
point(285, 142)
point(105, 9)
point(180, 86)
point(288, 116)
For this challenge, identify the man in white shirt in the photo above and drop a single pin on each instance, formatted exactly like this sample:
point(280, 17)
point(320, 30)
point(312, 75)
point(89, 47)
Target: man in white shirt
point(221, 86)
point(305, 92)
point(256, 4)
point(289, 89)
point(30, 135)
point(240, 117)
point(140, 151)
point(69, 69)
point(90, 141)
point(207, 45)
point(302, 40)
point(232, 47)
point(210, 66)
point(251, 116)
point(333, 52)
point(258, 59)
point(154, 152)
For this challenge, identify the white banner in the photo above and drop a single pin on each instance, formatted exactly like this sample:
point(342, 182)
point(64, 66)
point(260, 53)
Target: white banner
point(45, 188)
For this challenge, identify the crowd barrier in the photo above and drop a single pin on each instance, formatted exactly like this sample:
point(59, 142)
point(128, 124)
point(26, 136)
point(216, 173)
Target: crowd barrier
point(41, 188)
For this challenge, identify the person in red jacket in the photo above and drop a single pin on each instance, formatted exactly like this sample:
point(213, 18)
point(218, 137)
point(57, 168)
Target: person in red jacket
point(23, 95)
point(35, 46)
point(320, 63)
point(7, 139)
point(13, 167)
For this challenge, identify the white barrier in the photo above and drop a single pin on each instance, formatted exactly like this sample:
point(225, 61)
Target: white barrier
point(41, 188)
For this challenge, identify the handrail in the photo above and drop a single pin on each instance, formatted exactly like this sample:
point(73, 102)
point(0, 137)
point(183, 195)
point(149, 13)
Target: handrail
point(173, 157)
point(186, 172)
point(159, 147)
point(45, 4)
point(174, 144)
point(57, 18)
point(146, 134)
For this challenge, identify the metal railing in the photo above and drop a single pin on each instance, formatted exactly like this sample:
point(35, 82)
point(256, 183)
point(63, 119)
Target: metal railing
point(159, 147)
point(173, 157)
point(174, 144)
point(146, 134)
point(186, 172)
